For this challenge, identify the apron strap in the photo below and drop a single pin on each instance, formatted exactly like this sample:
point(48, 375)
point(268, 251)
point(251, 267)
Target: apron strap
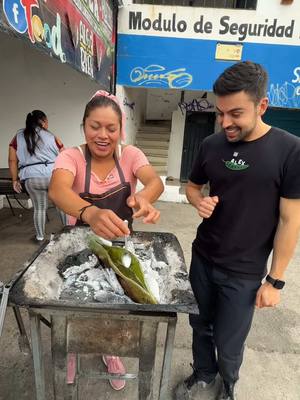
point(88, 159)
point(87, 169)
point(121, 175)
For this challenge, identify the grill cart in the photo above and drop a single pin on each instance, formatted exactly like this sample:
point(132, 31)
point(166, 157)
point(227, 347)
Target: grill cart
point(82, 326)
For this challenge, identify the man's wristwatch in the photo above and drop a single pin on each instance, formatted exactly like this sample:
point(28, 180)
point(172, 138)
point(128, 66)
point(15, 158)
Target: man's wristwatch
point(276, 283)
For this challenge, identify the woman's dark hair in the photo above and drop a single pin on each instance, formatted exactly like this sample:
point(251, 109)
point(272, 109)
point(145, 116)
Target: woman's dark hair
point(102, 101)
point(33, 121)
point(244, 76)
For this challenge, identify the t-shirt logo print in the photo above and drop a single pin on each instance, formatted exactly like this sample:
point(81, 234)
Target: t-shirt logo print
point(236, 164)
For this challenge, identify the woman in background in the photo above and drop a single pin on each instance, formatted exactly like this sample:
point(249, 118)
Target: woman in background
point(32, 153)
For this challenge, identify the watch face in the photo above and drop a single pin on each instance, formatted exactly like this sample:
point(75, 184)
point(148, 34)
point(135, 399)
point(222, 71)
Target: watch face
point(278, 284)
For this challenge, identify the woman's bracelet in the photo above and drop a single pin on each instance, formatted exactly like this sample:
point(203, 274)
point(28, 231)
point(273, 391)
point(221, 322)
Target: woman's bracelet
point(82, 210)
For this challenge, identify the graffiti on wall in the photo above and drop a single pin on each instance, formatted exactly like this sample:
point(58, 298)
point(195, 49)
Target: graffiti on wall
point(158, 76)
point(195, 105)
point(286, 94)
point(127, 104)
point(130, 106)
point(78, 32)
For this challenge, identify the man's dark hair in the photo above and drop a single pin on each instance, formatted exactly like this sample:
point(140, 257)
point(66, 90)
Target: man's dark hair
point(244, 76)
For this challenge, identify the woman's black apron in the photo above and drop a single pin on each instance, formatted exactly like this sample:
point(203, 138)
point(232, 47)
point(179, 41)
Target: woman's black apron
point(114, 199)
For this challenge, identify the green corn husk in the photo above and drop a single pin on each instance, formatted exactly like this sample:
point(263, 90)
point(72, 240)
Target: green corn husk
point(131, 279)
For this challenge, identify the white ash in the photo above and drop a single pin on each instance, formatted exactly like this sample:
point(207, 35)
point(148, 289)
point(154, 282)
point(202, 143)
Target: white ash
point(130, 245)
point(177, 278)
point(112, 298)
point(98, 279)
point(42, 280)
point(77, 269)
point(113, 281)
point(163, 275)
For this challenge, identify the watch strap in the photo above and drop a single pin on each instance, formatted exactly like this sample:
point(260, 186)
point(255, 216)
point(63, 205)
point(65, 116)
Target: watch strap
point(276, 283)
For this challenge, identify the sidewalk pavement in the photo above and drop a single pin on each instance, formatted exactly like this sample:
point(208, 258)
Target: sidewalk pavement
point(271, 368)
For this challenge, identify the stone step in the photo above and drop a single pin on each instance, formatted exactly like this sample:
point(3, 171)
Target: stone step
point(154, 128)
point(143, 144)
point(160, 170)
point(149, 151)
point(153, 136)
point(157, 160)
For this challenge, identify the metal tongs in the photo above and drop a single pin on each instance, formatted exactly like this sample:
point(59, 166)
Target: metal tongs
point(129, 246)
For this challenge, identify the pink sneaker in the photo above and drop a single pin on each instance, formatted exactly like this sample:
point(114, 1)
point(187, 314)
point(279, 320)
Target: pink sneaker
point(115, 366)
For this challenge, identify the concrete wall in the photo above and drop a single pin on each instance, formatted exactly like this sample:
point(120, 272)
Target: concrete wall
point(161, 103)
point(31, 80)
point(176, 143)
point(134, 106)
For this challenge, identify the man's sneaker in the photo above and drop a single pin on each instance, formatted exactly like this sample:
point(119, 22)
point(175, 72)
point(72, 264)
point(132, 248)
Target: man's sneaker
point(226, 392)
point(190, 386)
point(115, 366)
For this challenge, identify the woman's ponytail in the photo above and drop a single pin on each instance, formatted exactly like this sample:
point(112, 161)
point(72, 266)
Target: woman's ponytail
point(33, 121)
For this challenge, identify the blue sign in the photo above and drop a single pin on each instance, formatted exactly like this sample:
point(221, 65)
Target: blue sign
point(190, 64)
point(15, 14)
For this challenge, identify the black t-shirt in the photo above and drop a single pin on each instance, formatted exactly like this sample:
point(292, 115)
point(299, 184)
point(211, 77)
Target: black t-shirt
point(249, 178)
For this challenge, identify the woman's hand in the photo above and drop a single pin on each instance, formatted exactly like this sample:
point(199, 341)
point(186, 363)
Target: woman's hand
point(17, 186)
point(143, 209)
point(105, 223)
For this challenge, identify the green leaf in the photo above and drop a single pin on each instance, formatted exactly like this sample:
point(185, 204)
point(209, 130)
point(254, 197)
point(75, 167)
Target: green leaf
point(132, 279)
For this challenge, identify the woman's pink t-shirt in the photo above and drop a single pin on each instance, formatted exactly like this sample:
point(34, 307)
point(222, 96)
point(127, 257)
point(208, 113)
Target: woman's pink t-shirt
point(73, 160)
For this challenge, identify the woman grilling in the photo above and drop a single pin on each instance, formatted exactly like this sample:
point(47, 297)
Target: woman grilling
point(95, 183)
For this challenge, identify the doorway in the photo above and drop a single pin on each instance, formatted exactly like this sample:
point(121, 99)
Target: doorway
point(198, 125)
point(287, 119)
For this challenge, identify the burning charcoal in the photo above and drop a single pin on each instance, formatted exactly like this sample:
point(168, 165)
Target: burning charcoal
point(77, 259)
point(130, 245)
point(181, 275)
point(139, 246)
point(83, 277)
point(78, 284)
point(74, 271)
point(103, 297)
point(143, 255)
point(76, 294)
point(70, 281)
point(92, 278)
point(113, 281)
point(159, 265)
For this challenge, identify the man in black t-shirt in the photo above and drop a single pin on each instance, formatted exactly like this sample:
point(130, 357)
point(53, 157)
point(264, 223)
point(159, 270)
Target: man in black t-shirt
point(253, 207)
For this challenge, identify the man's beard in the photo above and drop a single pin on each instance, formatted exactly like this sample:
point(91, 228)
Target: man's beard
point(240, 135)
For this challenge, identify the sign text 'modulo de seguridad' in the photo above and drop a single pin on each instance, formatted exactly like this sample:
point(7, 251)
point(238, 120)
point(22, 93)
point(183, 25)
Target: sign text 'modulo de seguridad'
point(269, 28)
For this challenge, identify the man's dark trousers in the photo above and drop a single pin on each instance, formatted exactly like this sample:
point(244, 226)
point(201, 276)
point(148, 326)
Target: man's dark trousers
point(226, 307)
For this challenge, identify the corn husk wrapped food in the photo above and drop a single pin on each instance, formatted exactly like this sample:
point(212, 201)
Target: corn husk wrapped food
point(130, 277)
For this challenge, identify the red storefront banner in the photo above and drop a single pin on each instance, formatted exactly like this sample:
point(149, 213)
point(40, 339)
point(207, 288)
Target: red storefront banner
point(77, 32)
